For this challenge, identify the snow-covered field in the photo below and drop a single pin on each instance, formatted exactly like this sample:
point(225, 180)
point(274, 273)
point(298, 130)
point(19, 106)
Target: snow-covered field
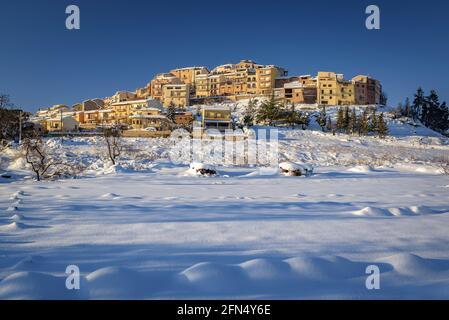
point(147, 230)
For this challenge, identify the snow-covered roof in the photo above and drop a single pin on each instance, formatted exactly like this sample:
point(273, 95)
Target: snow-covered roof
point(148, 116)
point(129, 102)
point(293, 84)
point(216, 108)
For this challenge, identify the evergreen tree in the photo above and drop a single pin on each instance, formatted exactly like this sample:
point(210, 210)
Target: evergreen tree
point(436, 113)
point(407, 108)
point(383, 98)
point(363, 124)
point(322, 118)
point(346, 119)
point(268, 112)
point(382, 127)
point(171, 112)
point(329, 126)
point(340, 119)
point(248, 115)
point(399, 111)
point(373, 124)
point(418, 103)
point(353, 122)
point(304, 120)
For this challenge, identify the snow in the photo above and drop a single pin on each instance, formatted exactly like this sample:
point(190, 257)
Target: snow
point(145, 229)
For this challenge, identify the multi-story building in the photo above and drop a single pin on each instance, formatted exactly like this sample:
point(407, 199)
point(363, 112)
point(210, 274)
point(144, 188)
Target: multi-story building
point(89, 105)
point(158, 83)
point(216, 81)
point(367, 90)
point(189, 74)
point(266, 79)
point(124, 109)
point(216, 117)
point(296, 93)
point(176, 94)
point(333, 89)
point(202, 86)
point(120, 96)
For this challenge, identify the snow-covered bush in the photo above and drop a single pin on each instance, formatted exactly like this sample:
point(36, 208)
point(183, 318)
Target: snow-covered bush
point(202, 169)
point(295, 169)
point(443, 163)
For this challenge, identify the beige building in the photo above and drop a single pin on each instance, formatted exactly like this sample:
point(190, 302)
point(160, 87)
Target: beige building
point(296, 93)
point(202, 86)
point(266, 79)
point(142, 122)
point(176, 94)
point(367, 90)
point(89, 105)
point(158, 83)
point(124, 109)
point(188, 75)
point(333, 89)
point(62, 124)
point(216, 117)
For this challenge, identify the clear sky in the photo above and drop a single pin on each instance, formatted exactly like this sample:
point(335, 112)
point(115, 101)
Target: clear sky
point(123, 44)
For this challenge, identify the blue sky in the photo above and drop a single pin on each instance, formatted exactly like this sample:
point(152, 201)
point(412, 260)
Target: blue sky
point(123, 44)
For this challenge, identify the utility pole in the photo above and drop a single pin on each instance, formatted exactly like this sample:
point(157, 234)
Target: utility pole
point(62, 137)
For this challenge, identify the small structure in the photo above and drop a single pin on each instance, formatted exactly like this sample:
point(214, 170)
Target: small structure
point(216, 117)
point(62, 124)
point(142, 121)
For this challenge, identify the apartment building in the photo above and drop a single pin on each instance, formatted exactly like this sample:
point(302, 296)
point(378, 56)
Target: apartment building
point(124, 109)
point(189, 74)
point(333, 89)
point(266, 78)
point(216, 81)
point(367, 90)
point(159, 81)
point(202, 86)
point(176, 94)
point(87, 105)
point(296, 93)
point(120, 96)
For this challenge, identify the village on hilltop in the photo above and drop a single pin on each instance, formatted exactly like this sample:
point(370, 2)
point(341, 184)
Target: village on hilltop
point(166, 101)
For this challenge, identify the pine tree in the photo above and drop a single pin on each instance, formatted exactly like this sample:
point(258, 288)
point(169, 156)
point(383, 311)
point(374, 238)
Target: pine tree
point(329, 126)
point(248, 115)
point(353, 124)
point(418, 103)
point(304, 120)
point(407, 108)
point(373, 124)
point(399, 112)
point(363, 124)
point(340, 119)
point(268, 111)
point(382, 127)
point(322, 118)
point(346, 119)
point(383, 98)
point(171, 112)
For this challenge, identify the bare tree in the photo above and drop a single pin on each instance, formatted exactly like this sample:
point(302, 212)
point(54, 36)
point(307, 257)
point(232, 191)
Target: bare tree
point(38, 159)
point(443, 163)
point(113, 139)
